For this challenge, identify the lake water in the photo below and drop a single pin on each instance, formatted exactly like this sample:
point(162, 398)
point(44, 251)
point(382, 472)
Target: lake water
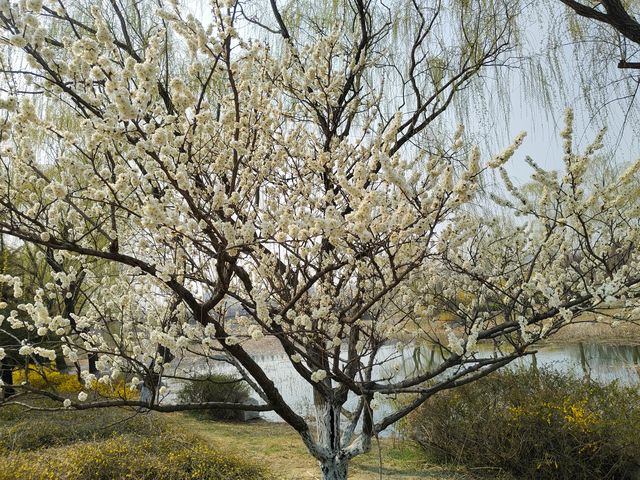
point(604, 363)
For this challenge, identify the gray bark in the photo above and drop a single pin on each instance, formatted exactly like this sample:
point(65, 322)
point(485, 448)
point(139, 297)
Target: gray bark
point(6, 375)
point(333, 461)
point(334, 469)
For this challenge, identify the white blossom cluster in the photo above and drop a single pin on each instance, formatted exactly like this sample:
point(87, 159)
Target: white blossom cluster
point(202, 209)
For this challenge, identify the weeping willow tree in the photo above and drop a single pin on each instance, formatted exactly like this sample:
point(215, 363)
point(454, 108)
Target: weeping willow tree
point(603, 39)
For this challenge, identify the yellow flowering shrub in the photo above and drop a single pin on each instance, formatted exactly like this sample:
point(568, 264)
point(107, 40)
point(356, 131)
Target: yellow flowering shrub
point(109, 444)
point(567, 414)
point(21, 429)
point(47, 378)
point(129, 457)
point(537, 423)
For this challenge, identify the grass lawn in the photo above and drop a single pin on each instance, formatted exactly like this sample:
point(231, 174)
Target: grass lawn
point(278, 446)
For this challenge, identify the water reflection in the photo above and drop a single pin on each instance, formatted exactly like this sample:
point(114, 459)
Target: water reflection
point(604, 363)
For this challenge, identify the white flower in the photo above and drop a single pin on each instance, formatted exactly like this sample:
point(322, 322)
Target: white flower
point(45, 236)
point(135, 381)
point(46, 353)
point(376, 401)
point(255, 332)
point(25, 350)
point(66, 403)
point(318, 376)
point(502, 158)
point(34, 5)
point(7, 103)
point(89, 379)
point(82, 396)
point(2, 354)
point(455, 344)
point(296, 358)
point(58, 190)
point(18, 41)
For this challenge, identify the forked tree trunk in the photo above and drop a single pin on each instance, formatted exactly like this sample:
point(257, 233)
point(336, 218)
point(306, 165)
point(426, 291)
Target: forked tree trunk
point(333, 466)
point(334, 469)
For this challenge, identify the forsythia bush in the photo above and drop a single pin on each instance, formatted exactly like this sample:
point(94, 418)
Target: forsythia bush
point(128, 457)
point(108, 444)
point(537, 424)
point(31, 430)
point(44, 378)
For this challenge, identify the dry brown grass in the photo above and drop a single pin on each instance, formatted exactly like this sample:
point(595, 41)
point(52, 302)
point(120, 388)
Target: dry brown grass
point(587, 330)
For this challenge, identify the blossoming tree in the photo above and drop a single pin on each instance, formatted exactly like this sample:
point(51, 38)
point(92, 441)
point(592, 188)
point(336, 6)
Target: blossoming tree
point(293, 189)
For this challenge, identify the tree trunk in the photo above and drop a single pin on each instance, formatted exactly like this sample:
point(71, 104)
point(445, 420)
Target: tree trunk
point(6, 374)
point(61, 364)
point(334, 469)
point(333, 464)
point(93, 358)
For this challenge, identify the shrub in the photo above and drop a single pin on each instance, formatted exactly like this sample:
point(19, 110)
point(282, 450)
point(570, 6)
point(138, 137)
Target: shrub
point(46, 378)
point(109, 443)
point(216, 388)
point(129, 457)
point(533, 423)
point(29, 430)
